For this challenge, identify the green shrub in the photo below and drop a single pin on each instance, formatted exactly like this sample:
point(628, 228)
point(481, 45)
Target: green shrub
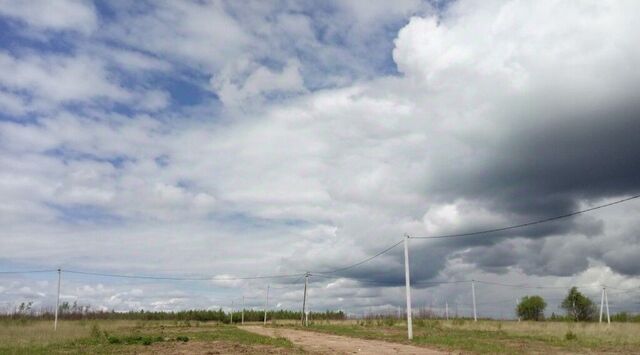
point(95, 331)
point(571, 335)
point(182, 338)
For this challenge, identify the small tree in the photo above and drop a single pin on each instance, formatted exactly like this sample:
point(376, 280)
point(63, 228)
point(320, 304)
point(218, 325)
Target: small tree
point(531, 308)
point(578, 306)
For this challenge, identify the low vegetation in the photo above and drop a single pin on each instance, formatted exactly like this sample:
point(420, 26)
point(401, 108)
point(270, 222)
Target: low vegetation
point(491, 337)
point(108, 337)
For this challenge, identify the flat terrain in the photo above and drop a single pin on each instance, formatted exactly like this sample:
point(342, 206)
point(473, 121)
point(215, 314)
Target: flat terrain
point(135, 337)
point(341, 337)
point(493, 337)
point(316, 342)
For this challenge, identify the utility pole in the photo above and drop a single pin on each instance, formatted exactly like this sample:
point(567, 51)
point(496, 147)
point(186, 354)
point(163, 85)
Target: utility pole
point(408, 286)
point(231, 313)
point(601, 304)
point(473, 295)
point(55, 322)
point(606, 302)
point(266, 305)
point(304, 320)
point(242, 321)
point(446, 310)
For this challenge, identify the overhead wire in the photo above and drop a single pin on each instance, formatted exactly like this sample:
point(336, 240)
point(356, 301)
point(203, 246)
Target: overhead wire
point(527, 224)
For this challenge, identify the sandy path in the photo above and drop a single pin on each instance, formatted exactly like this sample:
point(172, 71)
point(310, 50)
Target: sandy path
point(321, 343)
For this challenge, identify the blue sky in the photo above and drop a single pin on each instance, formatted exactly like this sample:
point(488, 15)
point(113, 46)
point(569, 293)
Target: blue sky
point(256, 138)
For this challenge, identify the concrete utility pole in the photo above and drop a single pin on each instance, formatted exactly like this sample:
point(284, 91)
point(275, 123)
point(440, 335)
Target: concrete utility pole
point(242, 321)
point(601, 304)
point(408, 287)
point(446, 310)
point(55, 321)
point(266, 306)
point(473, 295)
point(606, 302)
point(231, 313)
point(304, 320)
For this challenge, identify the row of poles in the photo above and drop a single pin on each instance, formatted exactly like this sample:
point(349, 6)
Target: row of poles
point(305, 318)
point(604, 301)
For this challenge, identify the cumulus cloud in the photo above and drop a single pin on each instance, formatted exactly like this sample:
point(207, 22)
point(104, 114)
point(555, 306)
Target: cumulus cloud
point(73, 15)
point(477, 115)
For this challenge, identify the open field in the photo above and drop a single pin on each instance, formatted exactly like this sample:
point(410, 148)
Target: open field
point(430, 336)
point(129, 337)
point(509, 337)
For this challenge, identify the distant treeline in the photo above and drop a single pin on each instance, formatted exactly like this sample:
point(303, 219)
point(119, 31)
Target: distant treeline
point(191, 315)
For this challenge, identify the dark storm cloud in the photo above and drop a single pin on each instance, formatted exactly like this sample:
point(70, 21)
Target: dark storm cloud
point(544, 163)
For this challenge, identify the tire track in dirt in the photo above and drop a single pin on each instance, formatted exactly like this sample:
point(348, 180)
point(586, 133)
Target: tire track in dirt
point(319, 343)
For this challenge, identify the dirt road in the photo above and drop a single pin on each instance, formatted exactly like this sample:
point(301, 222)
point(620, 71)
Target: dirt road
point(319, 343)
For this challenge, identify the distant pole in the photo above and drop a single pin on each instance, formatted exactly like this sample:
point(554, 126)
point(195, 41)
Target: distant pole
point(601, 304)
point(242, 310)
point(517, 315)
point(408, 287)
point(55, 321)
point(446, 310)
point(606, 302)
point(266, 306)
point(231, 313)
point(473, 295)
point(303, 319)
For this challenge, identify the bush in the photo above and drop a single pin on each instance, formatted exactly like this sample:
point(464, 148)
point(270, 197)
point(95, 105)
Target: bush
point(570, 335)
point(95, 331)
point(578, 306)
point(531, 308)
point(182, 338)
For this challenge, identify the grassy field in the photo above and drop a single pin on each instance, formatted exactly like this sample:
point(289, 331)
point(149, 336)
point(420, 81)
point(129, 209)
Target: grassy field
point(109, 337)
point(503, 337)
point(170, 337)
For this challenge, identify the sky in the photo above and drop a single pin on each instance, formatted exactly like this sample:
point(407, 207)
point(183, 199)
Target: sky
point(239, 139)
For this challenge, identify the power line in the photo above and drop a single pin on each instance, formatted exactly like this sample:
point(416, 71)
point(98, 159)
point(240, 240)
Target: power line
point(550, 219)
point(531, 286)
point(28, 271)
point(200, 278)
point(360, 262)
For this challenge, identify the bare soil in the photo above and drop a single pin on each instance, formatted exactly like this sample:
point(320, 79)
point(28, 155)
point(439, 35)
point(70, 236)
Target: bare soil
point(211, 347)
point(318, 343)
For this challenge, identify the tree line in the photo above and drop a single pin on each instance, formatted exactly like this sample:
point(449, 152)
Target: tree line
point(577, 307)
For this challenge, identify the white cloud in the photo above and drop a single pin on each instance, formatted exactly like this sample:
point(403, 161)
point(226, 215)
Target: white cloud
point(74, 15)
point(59, 78)
point(346, 170)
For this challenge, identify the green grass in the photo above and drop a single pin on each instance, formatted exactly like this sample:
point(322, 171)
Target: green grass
point(503, 337)
point(108, 337)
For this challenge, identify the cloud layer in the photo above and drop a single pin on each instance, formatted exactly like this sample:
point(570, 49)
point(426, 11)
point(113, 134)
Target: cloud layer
point(210, 138)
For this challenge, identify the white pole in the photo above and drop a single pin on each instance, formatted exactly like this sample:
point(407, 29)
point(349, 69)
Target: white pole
point(242, 310)
point(55, 322)
point(606, 302)
point(473, 295)
point(408, 287)
point(266, 305)
point(304, 301)
point(601, 304)
point(446, 310)
point(231, 313)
